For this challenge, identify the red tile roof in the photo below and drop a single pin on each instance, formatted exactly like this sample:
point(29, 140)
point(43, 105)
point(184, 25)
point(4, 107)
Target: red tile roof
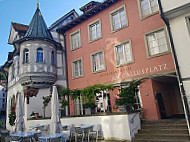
point(19, 27)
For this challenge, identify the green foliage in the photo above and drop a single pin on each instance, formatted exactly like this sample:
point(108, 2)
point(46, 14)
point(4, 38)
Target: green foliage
point(46, 101)
point(2, 76)
point(127, 95)
point(1, 124)
point(12, 116)
point(62, 92)
point(74, 94)
point(89, 94)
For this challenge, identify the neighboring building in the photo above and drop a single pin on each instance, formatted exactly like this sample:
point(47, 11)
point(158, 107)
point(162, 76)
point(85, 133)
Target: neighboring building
point(176, 13)
point(3, 97)
point(37, 62)
point(115, 42)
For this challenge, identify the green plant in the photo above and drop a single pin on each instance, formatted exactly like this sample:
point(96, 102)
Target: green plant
point(46, 101)
point(62, 92)
point(2, 76)
point(32, 114)
point(1, 124)
point(12, 115)
point(127, 95)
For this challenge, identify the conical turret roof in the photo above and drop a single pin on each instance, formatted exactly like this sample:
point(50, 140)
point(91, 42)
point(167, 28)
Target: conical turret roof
point(38, 27)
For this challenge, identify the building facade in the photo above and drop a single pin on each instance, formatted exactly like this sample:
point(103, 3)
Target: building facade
point(117, 41)
point(3, 97)
point(177, 17)
point(37, 63)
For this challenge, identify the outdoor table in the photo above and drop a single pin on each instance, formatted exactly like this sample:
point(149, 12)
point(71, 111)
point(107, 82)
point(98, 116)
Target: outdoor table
point(22, 135)
point(36, 126)
point(52, 136)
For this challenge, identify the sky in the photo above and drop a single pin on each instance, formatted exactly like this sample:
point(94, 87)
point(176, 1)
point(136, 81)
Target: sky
point(22, 11)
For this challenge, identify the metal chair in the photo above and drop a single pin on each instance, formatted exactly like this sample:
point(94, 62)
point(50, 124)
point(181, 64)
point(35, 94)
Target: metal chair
point(79, 133)
point(96, 131)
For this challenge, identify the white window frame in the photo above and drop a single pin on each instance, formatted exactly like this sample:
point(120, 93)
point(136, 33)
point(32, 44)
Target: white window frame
point(74, 37)
point(103, 67)
point(148, 15)
point(111, 18)
point(52, 57)
point(73, 68)
point(188, 24)
point(94, 23)
point(125, 62)
point(147, 43)
point(25, 56)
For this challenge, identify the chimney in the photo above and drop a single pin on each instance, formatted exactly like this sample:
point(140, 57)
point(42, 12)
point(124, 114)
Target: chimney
point(89, 6)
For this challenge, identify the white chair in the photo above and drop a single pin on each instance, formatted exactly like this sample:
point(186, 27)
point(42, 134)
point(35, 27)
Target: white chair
point(96, 131)
point(79, 133)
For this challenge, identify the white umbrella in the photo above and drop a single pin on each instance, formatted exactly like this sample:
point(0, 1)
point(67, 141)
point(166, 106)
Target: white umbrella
point(55, 126)
point(19, 121)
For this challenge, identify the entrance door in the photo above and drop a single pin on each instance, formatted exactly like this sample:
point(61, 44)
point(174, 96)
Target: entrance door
point(161, 106)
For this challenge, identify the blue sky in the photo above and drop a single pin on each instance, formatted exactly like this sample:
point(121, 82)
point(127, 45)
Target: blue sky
point(21, 11)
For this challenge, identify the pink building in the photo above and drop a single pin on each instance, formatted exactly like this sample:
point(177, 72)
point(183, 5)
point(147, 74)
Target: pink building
point(118, 41)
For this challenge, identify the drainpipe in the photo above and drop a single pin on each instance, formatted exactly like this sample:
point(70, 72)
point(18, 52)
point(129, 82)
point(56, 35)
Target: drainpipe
point(182, 90)
point(66, 68)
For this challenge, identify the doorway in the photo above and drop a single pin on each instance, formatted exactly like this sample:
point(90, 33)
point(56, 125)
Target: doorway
point(161, 105)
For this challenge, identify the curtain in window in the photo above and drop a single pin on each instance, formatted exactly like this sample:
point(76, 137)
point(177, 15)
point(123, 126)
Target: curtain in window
point(98, 62)
point(157, 42)
point(119, 19)
point(123, 53)
point(75, 39)
point(95, 31)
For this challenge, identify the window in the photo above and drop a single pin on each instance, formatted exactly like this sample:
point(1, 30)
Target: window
point(118, 19)
point(75, 40)
point(77, 68)
point(123, 53)
point(94, 30)
point(3, 94)
point(3, 100)
point(188, 23)
point(3, 106)
point(157, 43)
point(39, 55)
point(148, 7)
point(98, 63)
point(25, 56)
point(52, 58)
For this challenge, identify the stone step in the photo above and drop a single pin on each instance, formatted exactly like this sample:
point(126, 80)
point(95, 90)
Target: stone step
point(163, 131)
point(166, 121)
point(158, 140)
point(166, 126)
point(163, 136)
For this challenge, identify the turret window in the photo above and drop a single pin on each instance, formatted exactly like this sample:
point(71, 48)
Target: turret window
point(52, 58)
point(39, 55)
point(25, 56)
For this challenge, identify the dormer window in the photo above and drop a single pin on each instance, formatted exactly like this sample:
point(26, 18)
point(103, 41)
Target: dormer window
point(25, 56)
point(52, 58)
point(39, 55)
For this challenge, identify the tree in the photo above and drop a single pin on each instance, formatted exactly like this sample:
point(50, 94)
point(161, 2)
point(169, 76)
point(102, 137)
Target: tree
point(46, 101)
point(2, 76)
point(127, 95)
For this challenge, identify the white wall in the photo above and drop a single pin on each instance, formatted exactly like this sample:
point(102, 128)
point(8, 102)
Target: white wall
point(172, 4)
point(115, 127)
